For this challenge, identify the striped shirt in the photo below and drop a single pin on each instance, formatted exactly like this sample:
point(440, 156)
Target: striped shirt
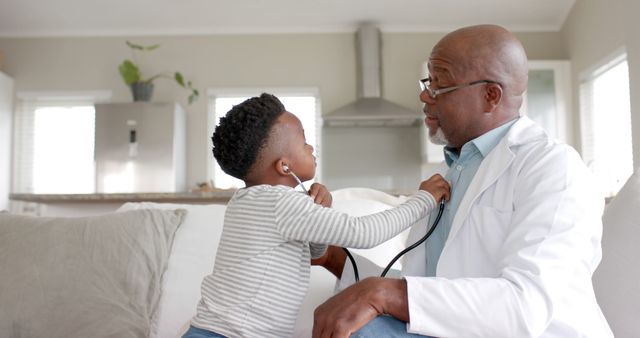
point(261, 272)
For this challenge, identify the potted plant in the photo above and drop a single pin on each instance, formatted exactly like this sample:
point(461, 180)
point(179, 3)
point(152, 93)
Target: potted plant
point(141, 86)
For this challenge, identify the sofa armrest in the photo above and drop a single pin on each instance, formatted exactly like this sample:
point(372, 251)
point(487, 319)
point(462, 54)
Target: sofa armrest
point(616, 280)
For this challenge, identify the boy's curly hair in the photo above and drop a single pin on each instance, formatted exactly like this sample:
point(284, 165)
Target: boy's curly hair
point(243, 131)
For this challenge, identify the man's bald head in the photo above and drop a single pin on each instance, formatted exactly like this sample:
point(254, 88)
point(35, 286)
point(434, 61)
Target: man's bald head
point(489, 52)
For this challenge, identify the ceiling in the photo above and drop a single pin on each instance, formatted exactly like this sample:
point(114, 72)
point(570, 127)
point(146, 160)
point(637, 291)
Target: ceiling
point(43, 18)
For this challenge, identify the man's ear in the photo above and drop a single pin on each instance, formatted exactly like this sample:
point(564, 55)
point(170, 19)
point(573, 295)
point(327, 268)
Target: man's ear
point(281, 166)
point(492, 96)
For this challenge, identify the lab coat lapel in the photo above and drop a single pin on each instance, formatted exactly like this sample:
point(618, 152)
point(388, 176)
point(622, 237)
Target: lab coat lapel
point(488, 173)
point(494, 166)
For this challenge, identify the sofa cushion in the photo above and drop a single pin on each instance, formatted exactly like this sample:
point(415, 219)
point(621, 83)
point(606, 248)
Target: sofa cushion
point(617, 278)
point(96, 276)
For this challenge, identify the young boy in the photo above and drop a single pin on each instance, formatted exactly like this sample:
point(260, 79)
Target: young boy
point(271, 231)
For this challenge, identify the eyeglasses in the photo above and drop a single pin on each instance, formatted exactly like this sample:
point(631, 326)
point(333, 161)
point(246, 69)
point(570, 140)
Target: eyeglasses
point(433, 93)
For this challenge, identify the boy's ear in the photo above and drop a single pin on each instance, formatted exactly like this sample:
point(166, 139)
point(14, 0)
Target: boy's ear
point(281, 166)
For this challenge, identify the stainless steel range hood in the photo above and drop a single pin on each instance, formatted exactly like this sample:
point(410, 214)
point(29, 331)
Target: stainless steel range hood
point(370, 109)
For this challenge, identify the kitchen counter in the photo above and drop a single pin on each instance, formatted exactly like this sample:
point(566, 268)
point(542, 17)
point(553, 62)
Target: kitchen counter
point(215, 196)
point(100, 203)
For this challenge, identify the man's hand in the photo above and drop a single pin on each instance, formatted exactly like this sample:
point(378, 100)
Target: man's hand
point(349, 310)
point(320, 195)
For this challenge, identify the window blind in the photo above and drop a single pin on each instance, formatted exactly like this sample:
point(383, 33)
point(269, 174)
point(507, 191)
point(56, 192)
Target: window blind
point(53, 142)
point(606, 125)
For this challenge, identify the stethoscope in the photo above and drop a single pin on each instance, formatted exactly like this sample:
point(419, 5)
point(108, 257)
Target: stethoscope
point(400, 254)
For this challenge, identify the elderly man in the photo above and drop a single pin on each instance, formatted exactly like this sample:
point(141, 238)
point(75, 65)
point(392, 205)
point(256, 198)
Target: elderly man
point(520, 237)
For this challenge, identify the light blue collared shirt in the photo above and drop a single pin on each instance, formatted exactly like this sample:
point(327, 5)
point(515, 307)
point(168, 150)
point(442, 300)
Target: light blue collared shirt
point(462, 169)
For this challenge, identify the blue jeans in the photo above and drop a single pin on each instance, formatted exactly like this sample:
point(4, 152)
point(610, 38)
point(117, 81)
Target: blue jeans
point(385, 326)
point(195, 332)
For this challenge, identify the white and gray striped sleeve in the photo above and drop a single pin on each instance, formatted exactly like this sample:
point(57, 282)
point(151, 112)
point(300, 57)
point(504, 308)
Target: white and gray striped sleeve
point(298, 218)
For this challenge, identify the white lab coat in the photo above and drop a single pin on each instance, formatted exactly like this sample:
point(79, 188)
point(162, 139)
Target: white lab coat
point(522, 248)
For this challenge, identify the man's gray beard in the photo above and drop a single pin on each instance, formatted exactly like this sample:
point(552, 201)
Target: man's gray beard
point(439, 138)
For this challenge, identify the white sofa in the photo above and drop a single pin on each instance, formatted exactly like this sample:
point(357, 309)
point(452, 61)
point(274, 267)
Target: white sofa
point(181, 252)
point(31, 305)
point(617, 279)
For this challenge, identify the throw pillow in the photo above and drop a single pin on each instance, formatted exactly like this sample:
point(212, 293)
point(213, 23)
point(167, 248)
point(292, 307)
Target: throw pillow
point(96, 276)
point(192, 258)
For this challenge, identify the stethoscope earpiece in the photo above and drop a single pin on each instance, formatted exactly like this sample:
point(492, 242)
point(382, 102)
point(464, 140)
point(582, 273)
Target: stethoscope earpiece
point(286, 170)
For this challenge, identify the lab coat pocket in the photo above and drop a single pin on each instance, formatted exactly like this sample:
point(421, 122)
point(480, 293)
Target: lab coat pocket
point(486, 232)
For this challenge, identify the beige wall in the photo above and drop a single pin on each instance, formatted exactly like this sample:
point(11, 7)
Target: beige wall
point(593, 31)
point(325, 61)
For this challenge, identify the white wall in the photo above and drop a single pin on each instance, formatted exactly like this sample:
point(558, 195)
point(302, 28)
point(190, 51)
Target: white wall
point(593, 31)
point(325, 61)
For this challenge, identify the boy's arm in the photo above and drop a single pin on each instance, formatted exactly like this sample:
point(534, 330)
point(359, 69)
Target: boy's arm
point(298, 218)
point(320, 195)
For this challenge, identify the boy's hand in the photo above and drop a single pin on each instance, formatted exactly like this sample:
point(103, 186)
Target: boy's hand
point(320, 195)
point(438, 187)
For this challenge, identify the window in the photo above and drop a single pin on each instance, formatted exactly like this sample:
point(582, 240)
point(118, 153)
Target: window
point(54, 143)
point(303, 103)
point(606, 124)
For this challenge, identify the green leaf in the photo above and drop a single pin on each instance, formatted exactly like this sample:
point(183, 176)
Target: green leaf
point(141, 47)
point(134, 46)
point(130, 72)
point(179, 79)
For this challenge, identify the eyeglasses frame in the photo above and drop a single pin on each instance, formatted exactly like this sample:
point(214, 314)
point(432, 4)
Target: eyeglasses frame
point(433, 93)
